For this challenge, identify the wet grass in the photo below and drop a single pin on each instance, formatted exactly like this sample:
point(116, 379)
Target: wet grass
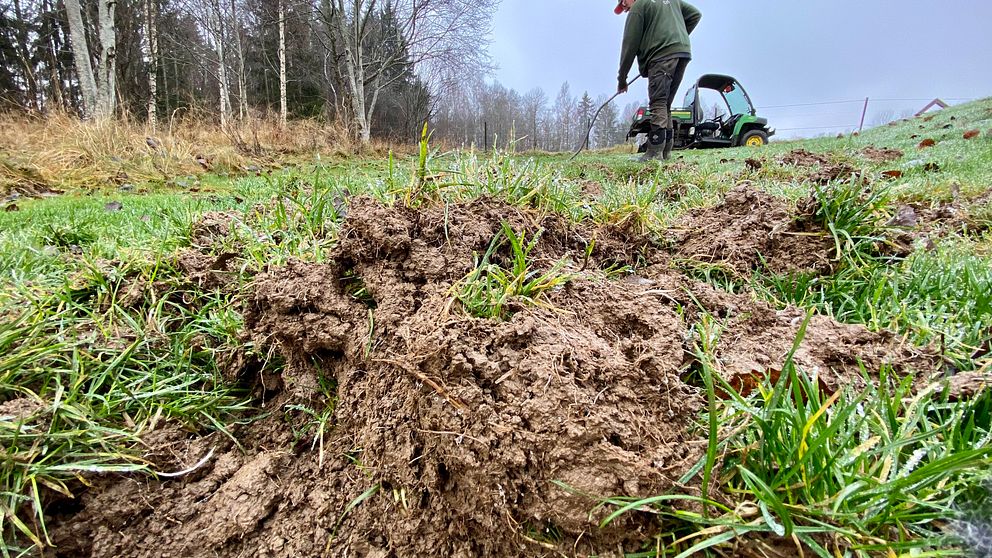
point(854, 473)
point(103, 337)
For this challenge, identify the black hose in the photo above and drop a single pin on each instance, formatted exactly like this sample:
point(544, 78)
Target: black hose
point(585, 140)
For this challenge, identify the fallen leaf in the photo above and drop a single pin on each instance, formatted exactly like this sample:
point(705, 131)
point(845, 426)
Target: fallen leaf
point(12, 207)
point(929, 142)
point(905, 217)
point(971, 134)
point(753, 164)
point(892, 174)
point(914, 136)
point(745, 383)
point(928, 118)
point(931, 167)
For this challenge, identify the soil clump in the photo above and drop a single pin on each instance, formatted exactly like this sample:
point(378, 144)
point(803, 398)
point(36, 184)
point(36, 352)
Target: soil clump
point(750, 230)
point(823, 169)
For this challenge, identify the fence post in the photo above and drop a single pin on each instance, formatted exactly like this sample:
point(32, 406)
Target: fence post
point(863, 114)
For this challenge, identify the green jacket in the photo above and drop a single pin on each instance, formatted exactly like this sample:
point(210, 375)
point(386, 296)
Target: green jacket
point(656, 29)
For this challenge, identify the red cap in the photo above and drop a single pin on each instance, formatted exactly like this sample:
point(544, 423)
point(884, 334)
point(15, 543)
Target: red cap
point(619, 9)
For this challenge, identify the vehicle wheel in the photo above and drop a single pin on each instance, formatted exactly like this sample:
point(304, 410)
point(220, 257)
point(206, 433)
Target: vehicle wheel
point(642, 148)
point(754, 138)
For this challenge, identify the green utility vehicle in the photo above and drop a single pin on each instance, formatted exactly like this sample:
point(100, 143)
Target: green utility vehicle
point(738, 126)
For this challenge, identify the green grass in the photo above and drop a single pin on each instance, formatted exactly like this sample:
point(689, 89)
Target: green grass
point(852, 473)
point(490, 288)
point(102, 336)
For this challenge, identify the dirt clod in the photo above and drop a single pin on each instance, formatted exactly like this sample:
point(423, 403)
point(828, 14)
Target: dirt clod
point(749, 230)
point(881, 155)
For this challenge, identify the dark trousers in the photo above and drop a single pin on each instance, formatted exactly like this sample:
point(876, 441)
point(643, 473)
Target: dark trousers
point(664, 78)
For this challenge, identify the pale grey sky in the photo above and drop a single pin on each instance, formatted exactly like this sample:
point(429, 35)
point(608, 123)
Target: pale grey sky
point(783, 51)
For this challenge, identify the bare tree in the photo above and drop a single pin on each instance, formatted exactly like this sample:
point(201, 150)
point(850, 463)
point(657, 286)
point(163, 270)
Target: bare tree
point(151, 60)
point(216, 36)
point(98, 86)
point(533, 106)
point(107, 70)
point(81, 55)
point(282, 63)
point(369, 39)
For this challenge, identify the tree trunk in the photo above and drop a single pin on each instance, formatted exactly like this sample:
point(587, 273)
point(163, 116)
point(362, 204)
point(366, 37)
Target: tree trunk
point(33, 100)
point(218, 35)
point(107, 78)
point(282, 64)
point(81, 55)
point(242, 83)
point(151, 43)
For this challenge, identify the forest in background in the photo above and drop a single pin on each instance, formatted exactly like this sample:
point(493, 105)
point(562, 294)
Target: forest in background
point(378, 68)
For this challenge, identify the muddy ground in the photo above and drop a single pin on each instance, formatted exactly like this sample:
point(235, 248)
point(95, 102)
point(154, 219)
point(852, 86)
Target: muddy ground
point(458, 436)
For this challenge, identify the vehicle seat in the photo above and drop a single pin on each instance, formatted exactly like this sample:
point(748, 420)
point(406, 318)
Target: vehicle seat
point(709, 126)
point(730, 124)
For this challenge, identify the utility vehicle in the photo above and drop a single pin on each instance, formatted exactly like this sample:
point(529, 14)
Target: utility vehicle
point(739, 125)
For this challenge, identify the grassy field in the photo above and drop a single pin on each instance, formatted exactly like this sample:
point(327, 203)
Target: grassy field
point(105, 333)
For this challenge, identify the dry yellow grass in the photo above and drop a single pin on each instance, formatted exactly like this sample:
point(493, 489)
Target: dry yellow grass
point(62, 152)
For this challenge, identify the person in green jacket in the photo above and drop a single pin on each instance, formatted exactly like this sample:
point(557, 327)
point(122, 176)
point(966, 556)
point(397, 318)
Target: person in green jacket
point(657, 34)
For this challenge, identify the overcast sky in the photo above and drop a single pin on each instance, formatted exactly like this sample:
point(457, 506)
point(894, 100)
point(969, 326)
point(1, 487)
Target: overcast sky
point(784, 52)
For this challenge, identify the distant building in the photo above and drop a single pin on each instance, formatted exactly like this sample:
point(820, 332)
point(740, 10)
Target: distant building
point(934, 103)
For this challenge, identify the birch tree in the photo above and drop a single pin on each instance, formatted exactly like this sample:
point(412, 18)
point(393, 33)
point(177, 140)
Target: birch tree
point(369, 39)
point(98, 86)
point(282, 63)
point(151, 60)
point(81, 56)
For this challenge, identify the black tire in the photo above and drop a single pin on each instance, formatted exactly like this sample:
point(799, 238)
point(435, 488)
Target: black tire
point(751, 136)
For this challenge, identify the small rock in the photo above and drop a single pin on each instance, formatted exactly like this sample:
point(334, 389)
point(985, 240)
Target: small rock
point(126, 188)
point(114, 206)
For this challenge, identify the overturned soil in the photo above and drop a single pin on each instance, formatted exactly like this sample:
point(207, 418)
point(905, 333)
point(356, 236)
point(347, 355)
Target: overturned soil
point(751, 230)
point(448, 435)
point(820, 168)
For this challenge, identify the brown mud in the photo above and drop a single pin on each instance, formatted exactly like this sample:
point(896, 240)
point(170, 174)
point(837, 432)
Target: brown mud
point(447, 435)
point(822, 168)
point(751, 230)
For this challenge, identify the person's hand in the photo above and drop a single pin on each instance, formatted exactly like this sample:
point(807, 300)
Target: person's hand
point(622, 86)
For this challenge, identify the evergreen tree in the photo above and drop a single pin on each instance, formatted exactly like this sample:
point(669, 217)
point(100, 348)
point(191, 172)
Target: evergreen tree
point(584, 114)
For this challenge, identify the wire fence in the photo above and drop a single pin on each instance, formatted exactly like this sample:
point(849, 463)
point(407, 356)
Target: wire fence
point(855, 119)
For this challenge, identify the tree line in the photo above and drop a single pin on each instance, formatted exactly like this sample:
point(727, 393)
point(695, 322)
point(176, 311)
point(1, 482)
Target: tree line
point(380, 67)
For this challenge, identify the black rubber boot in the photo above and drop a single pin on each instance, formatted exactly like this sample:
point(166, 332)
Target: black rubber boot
point(656, 144)
point(666, 152)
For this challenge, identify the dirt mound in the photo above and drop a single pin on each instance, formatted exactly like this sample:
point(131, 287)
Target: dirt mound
point(756, 338)
point(823, 169)
point(17, 181)
point(484, 437)
point(803, 158)
point(749, 230)
point(881, 154)
point(402, 427)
